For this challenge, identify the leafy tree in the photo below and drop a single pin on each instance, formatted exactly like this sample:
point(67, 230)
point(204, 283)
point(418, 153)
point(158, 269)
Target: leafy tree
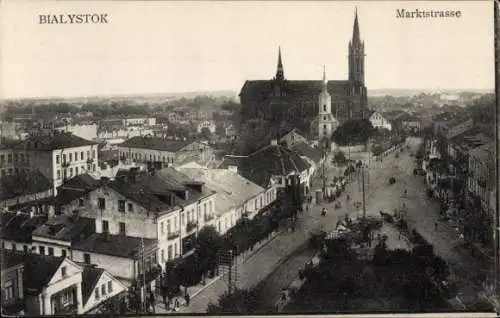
point(207, 248)
point(353, 132)
point(340, 158)
point(237, 302)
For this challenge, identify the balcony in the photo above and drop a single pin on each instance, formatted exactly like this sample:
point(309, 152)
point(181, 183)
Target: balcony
point(190, 226)
point(65, 164)
point(90, 160)
point(173, 235)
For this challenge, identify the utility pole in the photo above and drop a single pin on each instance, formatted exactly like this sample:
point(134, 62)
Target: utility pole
point(143, 289)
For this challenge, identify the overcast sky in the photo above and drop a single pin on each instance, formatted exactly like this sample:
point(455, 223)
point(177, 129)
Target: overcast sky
point(162, 47)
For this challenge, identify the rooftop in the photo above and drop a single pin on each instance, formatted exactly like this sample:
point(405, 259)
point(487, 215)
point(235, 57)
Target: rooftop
point(232, 189)
point(53, 141)
point(80, 182)
point(19, 227)
point(66, 228)
point(38, 269)
point(90, 277)
point(155, 143)
point(114, 245)
point(12, 186)
point(272, 160)
point(305, 150)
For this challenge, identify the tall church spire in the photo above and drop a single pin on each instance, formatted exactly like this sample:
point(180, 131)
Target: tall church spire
point(280, 75)
point(356, 38)
point(324, 79)
point(356, 54)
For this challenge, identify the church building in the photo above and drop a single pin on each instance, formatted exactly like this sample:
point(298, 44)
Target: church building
point(296, 101)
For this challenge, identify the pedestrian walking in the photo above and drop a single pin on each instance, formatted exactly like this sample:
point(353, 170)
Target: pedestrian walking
point(152, 301)
point(187, 298)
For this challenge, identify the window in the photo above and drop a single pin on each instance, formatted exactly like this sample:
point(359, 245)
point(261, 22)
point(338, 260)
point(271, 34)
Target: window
point(97, 293)
point(86, 258)
point(70, 172)
point(2, 158)
point(70, 157)
point(63, 271)
point(9, 158)
point(80, 202)
point(130, 207)
point(162, 230)
point(183, 219)
point(57, 159)
point(121, 205)
point(103, 289)
point(168, 227)
point(63, 253)
point(110, 286)
point(76, 171)
point(58, 174)
point(93, 167)
point(122, 228)
point(101, 203)
point(105, 226)
point(8, 290)
point(324, 108)
point(64, 158)
point(88, 153)
point(76, 156)
point(25, 248)
point(81, 155)
point(42, 250)
point(169, 253)
point(14, 247)
point(51, 251)
point(162, 253)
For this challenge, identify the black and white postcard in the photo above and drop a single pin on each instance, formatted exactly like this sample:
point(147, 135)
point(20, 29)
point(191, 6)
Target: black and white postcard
point(249, 157)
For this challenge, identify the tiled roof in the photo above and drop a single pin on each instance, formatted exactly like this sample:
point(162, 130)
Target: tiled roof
point(19, 227)
point(261, 89)
point(90, 277)
point(113, 245)
point(38, 269)
point(155, 143)
point(57, 140)
point(305, 150)
point(81, 182)
point(268, 161)
point(232, 189)
point(12, 186)
point(230, 160)
point(65, 228)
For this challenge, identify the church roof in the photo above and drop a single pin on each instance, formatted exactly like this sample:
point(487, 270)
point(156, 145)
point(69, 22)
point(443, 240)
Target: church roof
point(262, 88)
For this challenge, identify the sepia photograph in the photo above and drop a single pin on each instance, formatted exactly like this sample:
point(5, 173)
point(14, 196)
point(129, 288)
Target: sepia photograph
point(249, 158)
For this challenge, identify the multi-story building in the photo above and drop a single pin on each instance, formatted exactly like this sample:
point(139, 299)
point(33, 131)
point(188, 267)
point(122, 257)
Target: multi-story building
point(292, 137)
point(12, 285)
point(378, 120)
point(161, 152)
point(7, 160)
point(274, 165)
point(449, 125)
point(236, 197)
point(58, 156)
point(482, 180)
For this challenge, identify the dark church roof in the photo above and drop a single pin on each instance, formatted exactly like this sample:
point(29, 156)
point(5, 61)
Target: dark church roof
point(256, 89)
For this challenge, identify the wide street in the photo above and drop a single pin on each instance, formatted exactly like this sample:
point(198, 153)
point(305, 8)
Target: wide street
point(422, 214)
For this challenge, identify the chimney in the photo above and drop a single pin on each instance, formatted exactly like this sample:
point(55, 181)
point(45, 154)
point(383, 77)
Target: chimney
point(274, 142)
point(232, 169)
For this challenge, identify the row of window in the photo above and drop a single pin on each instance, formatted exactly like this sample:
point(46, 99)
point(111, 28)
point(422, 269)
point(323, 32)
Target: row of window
point(75, 155)
point(68, 173)
point(139, 156)
point(9, 158)
point(121, 225)
point(172, 253)
point(102, 291)
point(101, 204)
point(6, 172)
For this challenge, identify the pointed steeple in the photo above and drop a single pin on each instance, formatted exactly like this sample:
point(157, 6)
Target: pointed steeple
point(280, 74)
point(356, 38)
point(324, 79)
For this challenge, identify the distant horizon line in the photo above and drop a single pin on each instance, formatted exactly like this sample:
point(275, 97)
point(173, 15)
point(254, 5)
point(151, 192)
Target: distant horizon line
point(235, 92)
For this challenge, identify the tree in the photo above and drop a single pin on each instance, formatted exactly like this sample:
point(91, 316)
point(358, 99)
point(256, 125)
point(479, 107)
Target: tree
point(339, 158)
point(207, 248)
point(205, 133)
point(353, 132)
point(237, 302)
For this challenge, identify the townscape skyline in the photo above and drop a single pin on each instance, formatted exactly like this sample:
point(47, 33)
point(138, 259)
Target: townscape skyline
point(165, 53)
